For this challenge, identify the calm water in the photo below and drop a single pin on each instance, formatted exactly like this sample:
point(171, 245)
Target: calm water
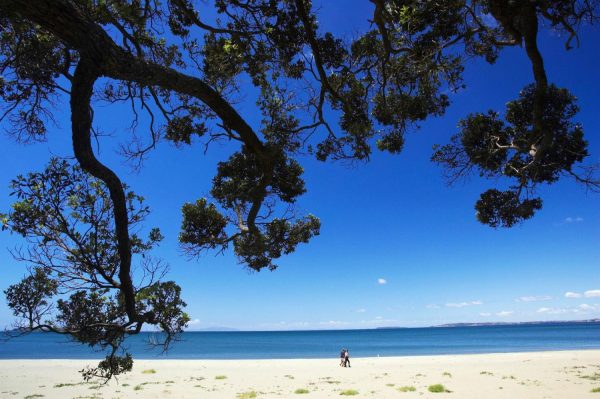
point(323, 344)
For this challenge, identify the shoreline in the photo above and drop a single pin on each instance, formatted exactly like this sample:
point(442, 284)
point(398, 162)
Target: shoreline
point(515, 375)
point(259, 359)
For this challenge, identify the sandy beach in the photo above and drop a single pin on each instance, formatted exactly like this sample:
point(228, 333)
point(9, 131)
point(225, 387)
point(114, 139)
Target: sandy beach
point(560, 375)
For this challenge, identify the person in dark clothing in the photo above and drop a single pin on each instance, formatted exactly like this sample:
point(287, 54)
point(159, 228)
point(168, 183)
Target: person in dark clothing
point(347, 359)
point(343, 358)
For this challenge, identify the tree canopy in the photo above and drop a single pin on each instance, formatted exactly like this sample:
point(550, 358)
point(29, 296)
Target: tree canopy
point(317, 93)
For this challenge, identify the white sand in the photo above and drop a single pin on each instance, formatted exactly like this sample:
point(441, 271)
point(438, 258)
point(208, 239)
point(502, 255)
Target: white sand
point(561, 375)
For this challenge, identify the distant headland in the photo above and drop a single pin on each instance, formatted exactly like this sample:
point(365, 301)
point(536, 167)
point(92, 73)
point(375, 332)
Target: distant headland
point(508, 323)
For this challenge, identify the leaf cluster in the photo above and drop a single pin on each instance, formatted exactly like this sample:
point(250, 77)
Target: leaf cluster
point(512, 148)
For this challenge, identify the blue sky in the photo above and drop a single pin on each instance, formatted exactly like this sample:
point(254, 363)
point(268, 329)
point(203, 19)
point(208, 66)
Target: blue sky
point(398, 247)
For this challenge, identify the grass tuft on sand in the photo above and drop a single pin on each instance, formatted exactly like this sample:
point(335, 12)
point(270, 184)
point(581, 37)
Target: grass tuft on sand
point(71, 384)
point(407, 388)
point(595, 390)
point(149, 371)
point(220, 377)
point(592, 377)
point(247, 395)
point(437, 388)
point(349, 392)
point(301, 391)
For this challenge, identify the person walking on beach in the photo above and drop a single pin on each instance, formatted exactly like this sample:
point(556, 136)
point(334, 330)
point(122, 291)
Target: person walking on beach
point(343, 358)
point(347, 359)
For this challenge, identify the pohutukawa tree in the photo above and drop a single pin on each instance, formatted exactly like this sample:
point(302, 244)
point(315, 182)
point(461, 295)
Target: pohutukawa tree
point(335, 99)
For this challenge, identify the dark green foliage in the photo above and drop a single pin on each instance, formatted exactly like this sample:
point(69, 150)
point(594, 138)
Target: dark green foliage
point(27, 86)
point(65, 217)
point(242, 186)
point(181, 129)
point(567, 145)
point(221, 60)
point(482, 136)
point(279, 237)
point(513, 148)
point(111, 365)
point(163, 300)
point(202, 225)
point(30, 299)
point(505, 208)
point(89, 315)
point(379, 85)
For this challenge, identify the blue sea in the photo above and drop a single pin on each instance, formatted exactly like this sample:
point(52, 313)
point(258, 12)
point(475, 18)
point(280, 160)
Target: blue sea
point(324, 344)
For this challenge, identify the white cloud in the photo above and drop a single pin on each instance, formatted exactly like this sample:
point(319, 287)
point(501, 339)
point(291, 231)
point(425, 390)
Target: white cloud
point(553, 310)
point(592, 294)
point(380, 321)
point(583, 308)
point(533, 298)
point(361, 310)
point(333, 323)
point(504, 313)
point(432, 306)
point(381, 281)
point(586, 307)
point(572, 295)
point(463, 304)
point(485, 314)
point(577, 219)
point(194, 322)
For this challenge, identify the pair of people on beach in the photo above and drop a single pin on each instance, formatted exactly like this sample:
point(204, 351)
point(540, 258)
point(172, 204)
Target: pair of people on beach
point(345, 358)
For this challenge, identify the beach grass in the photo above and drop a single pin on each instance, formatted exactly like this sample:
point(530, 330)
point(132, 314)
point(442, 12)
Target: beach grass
point(407, 388)
point(446, 374)
point(35, 395)
point(149, 371)
point(71, 384)
point(349, 392)
point(138, 388)
point(437, 388)
point(301, 391)
point(592, 377)
point(247, 395)
point(595, 390)
point(220, 377)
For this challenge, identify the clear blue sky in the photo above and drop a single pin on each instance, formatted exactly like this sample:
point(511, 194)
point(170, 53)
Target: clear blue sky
point(397, 247)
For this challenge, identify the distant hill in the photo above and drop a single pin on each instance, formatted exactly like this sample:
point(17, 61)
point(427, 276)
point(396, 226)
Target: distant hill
point(536, 323)
point(522, 323)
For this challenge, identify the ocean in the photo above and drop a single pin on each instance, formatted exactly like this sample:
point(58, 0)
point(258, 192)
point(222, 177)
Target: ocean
point(325, 344)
